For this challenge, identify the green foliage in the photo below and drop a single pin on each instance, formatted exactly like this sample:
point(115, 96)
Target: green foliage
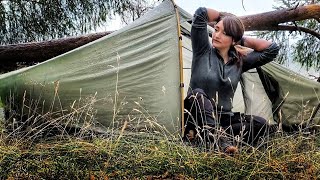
point(25, 21)
point(307, 49)
point(298, 46)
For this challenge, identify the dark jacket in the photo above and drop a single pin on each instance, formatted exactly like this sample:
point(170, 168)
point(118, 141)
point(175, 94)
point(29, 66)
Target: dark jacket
point(209, 73)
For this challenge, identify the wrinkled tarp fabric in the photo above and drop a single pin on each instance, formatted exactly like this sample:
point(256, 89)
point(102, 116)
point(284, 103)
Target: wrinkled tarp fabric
point(299, 95)
point(130, 74)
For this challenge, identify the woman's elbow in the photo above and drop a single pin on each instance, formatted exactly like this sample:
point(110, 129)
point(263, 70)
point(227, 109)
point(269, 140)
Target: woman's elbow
point(201, 12)
point(272, 51)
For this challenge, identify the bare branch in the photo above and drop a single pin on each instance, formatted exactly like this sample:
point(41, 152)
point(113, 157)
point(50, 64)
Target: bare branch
point(295, 24)
point(243, 5)
point(294, 28)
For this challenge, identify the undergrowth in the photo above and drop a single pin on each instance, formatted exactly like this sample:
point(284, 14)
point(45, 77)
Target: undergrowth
point(147, 156)
point(41, 147)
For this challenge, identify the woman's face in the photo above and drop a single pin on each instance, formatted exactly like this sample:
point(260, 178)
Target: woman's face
point(219, 38)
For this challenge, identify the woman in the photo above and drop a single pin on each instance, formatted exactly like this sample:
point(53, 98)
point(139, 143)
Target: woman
point(215, 73)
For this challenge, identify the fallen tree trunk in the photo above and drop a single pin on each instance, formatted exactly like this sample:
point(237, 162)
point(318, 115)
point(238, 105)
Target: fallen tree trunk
point(271, 21)
point(34, 52)
point(29, 53)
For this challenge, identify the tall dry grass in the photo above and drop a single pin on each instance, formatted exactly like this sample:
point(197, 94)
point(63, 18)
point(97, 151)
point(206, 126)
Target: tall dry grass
point(42, 147)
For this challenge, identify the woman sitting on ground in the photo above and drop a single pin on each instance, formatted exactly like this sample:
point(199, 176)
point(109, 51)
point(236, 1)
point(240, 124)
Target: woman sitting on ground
point(215, 73)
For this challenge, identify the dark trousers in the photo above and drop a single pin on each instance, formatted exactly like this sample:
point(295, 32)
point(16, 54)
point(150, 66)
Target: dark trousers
point(201, 117)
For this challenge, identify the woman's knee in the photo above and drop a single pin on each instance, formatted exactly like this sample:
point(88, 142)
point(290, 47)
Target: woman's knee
point(257, 120)
point(199, 101)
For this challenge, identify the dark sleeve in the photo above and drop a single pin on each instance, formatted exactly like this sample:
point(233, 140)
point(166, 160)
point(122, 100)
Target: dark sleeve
point(259, 58)
point(199, 32)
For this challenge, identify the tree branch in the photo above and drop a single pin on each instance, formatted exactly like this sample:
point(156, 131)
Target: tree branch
point(294, 28)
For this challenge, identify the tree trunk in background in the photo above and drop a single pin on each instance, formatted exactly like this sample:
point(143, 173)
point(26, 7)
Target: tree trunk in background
point(15, 55)
point(270, 20)
point(29, 53)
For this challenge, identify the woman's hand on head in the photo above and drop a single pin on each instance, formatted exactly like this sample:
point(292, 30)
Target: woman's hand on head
point(243, 51)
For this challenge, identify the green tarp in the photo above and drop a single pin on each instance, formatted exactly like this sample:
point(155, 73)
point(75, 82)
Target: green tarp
point(132, 73)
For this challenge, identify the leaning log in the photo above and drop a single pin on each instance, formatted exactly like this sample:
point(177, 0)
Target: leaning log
point(271, 21)
point(267, 20)
point(34, 52)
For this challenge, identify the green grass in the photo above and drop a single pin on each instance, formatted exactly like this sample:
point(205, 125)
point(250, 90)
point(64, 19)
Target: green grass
point(144, 156)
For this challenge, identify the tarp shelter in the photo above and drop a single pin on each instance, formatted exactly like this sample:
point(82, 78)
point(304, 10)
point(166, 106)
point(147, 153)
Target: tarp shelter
point(139, 74)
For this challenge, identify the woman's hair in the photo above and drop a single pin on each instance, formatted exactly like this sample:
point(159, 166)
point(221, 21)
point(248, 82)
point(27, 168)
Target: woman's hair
point(233, 27)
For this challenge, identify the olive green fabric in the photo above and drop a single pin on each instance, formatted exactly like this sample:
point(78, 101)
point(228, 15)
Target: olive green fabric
point(299, 95)
point(130, 75)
